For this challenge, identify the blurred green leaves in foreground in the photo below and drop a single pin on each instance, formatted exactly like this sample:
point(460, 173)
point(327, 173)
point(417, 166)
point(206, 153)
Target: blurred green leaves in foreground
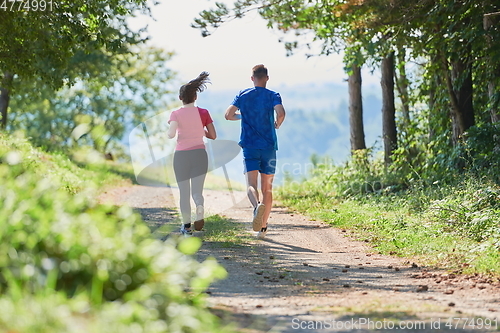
point(68, 264)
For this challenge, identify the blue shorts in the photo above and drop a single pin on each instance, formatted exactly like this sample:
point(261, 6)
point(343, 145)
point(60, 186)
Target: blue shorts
point(263, 160)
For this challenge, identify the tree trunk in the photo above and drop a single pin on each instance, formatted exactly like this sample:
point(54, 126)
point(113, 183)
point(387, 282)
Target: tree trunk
point(402, 84)
point(489, 21)
point(356, 110)
point(462, 72)
point(434, 119)
point(5, 98)
point(462, 110)
point(388, 108)
point(432, 128)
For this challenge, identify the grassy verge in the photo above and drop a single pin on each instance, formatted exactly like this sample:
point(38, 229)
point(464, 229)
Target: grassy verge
point(225, 232)
point(451, 226)
point(218, 230)
point(57, 167)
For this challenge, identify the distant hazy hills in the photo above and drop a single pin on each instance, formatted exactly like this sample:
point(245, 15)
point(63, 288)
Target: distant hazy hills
point(317, 122)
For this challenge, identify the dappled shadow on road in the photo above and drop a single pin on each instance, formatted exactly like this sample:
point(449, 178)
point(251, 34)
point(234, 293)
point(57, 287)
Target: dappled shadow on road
point(277, 246)
point(270, 267)
point(278, 268)
point(363, 322)
point(263, 271)
point(159, 220)
point(311, 274)
point(277, 271)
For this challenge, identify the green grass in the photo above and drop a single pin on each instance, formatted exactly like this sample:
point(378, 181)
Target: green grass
point(72, 176)
point(225, 232)
point(453, 227)
point(218, 230)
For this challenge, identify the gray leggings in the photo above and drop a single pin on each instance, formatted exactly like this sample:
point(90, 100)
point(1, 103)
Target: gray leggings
point(190, 168)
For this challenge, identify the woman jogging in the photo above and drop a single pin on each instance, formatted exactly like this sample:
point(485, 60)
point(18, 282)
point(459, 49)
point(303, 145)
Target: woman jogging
point(191, 124)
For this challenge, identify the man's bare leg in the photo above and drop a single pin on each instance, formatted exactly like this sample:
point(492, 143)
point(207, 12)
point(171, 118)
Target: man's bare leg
point(253, 196)
point(267, 196)
point(252, 181)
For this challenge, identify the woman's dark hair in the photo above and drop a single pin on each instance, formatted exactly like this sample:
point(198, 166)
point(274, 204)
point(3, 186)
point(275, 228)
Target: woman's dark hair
point(187, 92)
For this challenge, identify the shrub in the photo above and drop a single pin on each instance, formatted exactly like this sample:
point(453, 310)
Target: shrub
point(481, 149)
point(53, 242)
point(472, 209)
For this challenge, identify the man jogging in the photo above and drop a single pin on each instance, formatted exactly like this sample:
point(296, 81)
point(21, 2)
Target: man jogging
point(257, 107)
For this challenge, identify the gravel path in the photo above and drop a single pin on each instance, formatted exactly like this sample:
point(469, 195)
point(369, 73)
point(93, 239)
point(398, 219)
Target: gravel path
point(309, 277)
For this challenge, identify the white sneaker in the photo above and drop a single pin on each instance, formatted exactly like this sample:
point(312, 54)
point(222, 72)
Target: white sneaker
point(262, 233)
point(258, 213)
point(186, 232)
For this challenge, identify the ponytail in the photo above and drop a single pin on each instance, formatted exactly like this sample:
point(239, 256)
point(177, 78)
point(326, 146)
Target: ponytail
point(187, 92)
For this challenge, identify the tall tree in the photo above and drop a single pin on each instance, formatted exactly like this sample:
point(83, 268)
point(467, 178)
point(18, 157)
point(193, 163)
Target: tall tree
point(326, 20)
point(446, 37)
point(402, 86)
point(461, 96)
point(5, 97)
point(490, 23)
point(389, 131)
point(356, 109)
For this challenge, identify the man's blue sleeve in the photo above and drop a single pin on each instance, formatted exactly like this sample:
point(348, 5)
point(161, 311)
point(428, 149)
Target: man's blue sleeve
point(236, 101)
point(276, 99)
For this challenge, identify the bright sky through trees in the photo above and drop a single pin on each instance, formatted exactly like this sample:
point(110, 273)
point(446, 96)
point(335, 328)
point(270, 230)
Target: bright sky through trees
point(230, 52)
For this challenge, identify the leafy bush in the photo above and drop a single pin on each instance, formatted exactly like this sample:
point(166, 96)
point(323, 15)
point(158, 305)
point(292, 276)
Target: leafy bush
point(361, 175)
point(454, 223)
point(481, 149)
point(473, 210)
point(58, 249)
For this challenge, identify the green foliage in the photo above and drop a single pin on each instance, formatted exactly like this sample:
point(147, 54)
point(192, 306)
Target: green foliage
point(98, 264)
point(215, 17)
point(443, 40)
point(121, 90)
point(360, 175)
point(41, 44)
point(481, 149)
point(452, 224)
point(477, 153)
point(473, 211)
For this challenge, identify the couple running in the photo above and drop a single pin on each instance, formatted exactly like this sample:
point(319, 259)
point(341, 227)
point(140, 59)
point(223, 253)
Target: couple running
point(256, 108)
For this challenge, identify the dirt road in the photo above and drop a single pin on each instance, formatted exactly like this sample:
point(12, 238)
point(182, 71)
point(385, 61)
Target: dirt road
point(309, 277)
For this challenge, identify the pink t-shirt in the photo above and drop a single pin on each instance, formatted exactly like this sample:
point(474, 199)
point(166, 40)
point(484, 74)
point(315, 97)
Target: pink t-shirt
point(191, 127)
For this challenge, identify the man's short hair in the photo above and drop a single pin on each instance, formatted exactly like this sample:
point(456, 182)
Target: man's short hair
point(259, 71)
